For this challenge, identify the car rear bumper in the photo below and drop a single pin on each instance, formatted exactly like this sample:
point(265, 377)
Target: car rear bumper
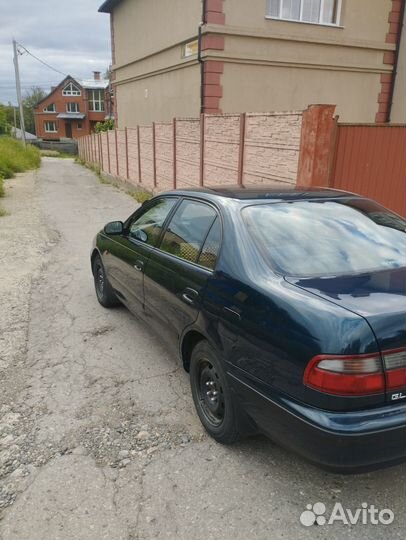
point(342, 442)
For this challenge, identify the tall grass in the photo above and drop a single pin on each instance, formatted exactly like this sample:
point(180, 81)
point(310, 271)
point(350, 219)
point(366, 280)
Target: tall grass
point(15, 158)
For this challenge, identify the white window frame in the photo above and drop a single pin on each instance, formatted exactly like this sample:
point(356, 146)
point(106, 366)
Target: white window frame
point(47, 110)
point(320, 23)
point(73, 90)
point(47, 125)
point(69, 107)
point(93, 100)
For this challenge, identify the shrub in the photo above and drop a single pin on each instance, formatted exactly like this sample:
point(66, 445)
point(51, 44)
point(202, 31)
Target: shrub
point(15, 158)
point(107, 125)
point(1, 186)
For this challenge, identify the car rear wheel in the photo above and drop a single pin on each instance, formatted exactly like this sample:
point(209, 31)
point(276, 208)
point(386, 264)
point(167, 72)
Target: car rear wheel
point(212, 396)
point(104, 291)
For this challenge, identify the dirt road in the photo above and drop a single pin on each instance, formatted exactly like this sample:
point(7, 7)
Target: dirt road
point(98, 435)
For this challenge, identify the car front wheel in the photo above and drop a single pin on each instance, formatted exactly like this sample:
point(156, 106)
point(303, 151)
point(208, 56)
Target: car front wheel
point(212, 396)
point(104, 291)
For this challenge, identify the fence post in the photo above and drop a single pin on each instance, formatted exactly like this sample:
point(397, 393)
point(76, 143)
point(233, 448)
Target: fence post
point(108, 151)
point(101, 151)
point(333, 153)
point(154, 151)
point(139, 153)
point(318, 129)
point(116, 142)
point(94, 148)
point(202, 141)
point(174, 154)
point(127, 168)
point(243, 118)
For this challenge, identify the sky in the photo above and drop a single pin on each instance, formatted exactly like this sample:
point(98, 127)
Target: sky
point(70, 35)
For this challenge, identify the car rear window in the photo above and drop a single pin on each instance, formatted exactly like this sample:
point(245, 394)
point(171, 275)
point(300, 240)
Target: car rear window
point(317, 238)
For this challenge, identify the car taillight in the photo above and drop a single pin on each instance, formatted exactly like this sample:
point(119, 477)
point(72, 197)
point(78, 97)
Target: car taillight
point(357, 375)
point(395, 369)
point(346, 375)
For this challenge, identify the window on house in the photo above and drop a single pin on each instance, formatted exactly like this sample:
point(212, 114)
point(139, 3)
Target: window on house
point(96, 100)
point(50, 108)
point(79, 125)
point(72, 107)
point(71, 90)
point(50, 127)
point(310, 11)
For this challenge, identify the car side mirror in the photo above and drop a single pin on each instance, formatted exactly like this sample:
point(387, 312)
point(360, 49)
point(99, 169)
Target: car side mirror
point(114, 228)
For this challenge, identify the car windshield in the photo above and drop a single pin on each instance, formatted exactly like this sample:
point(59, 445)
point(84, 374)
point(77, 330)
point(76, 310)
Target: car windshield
point(328, 238)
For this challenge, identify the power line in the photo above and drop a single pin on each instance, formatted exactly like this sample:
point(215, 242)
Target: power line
point(42, 61)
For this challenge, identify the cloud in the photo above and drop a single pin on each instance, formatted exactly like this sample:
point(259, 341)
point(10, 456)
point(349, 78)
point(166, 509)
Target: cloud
point(71, 36)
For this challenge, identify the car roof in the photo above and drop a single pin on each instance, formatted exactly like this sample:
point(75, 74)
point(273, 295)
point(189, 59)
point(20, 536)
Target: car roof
point(271, 192)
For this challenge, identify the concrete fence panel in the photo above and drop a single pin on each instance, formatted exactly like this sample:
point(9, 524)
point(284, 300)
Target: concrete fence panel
point(164, 143)
point(272, 145)
point(121, 154)
point(221, 149)
point(133, 156)
point(146, 156)
point(188, 144)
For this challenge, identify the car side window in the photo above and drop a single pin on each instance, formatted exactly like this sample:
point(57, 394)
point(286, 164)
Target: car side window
point(211, 248)
point(147, 227)
point(188, 229)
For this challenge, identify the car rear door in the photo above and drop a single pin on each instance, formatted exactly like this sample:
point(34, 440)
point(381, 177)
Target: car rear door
point(177, 272)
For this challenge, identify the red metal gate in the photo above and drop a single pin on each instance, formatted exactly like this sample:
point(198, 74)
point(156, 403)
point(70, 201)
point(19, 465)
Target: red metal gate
point(371, 160)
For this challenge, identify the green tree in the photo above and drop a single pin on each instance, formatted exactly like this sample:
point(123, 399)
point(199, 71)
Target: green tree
point(5, 124)
point(30, 101)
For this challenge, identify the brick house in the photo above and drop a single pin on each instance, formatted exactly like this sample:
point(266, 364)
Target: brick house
point(183, 57)
point(73, 108)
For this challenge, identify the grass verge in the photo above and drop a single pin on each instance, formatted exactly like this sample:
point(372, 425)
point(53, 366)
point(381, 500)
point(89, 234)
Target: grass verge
point(14, 158)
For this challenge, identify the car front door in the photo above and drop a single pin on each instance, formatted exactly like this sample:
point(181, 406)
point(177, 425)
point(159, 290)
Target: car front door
point(130, 251)
point(177, 272)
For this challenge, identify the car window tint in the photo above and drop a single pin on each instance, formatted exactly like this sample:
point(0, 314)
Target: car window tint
point(211, 248)
point(188, 229)
point(147, 228)
point(317, 238)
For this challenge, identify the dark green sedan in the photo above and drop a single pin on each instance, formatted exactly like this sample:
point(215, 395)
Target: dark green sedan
point(287, 307)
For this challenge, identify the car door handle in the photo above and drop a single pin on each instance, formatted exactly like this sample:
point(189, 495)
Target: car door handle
point(139, 266)
point(189, 296)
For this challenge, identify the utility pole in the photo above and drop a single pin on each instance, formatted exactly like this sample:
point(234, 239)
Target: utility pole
point(18, 88)
point(15, 122)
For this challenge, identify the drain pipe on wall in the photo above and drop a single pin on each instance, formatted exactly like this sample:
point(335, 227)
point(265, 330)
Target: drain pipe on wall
point(199, 54)
point(401, 29)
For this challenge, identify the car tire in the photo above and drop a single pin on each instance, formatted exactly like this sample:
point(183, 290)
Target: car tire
point(104, 291)
point(212, 395)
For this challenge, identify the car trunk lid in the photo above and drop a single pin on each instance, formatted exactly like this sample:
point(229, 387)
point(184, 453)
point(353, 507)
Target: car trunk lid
point(380, 298)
